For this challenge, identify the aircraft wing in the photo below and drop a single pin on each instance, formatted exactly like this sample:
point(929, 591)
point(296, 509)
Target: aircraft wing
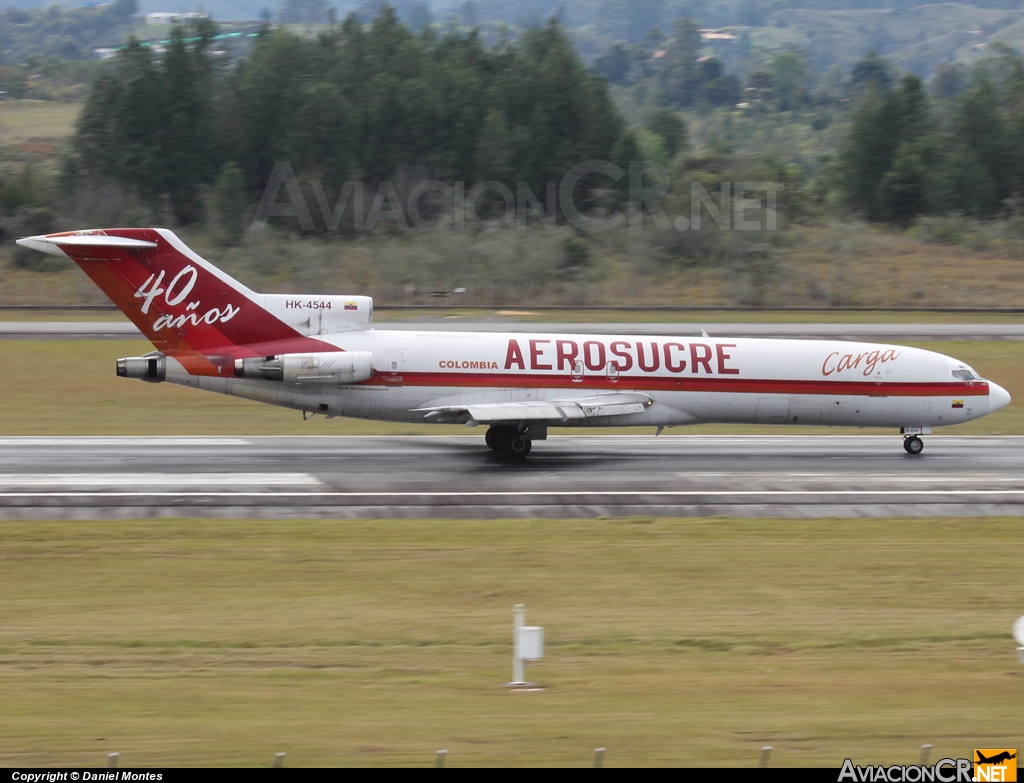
point(562, 410)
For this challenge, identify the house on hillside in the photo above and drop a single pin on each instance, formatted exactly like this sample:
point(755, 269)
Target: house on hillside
point(174, 17)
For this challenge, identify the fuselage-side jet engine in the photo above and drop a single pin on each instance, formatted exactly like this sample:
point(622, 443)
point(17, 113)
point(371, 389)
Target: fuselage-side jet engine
point(319, 354)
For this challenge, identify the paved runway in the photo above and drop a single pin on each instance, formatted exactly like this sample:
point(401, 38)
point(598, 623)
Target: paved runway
point(457, 477)
point(123, 330)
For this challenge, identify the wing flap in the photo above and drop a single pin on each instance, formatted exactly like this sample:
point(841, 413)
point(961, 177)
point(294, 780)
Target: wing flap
point(613, 410)
point(545, 410)
point(530, 411)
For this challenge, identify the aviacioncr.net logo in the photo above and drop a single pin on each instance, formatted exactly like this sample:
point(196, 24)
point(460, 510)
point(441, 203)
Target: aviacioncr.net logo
point(942, 771)
point(995, 765)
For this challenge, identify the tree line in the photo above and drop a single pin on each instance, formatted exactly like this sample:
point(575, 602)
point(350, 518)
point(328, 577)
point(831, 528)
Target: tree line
point(908, 153)
point(380, 102)
point(953, 146)
point(357, 102)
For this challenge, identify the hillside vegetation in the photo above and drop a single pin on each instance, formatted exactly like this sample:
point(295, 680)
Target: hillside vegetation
point(889, 190)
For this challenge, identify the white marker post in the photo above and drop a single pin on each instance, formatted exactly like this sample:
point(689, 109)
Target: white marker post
point(527, 645)
point(1018, 634)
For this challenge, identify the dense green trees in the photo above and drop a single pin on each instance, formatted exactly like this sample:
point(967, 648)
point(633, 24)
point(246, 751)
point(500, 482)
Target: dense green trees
point(885, 163)
point(905, 157)
point(371, 103)
point(670, 128)
point(229, 205)
point(789, 81)
point(150, 123)
point(380, 103)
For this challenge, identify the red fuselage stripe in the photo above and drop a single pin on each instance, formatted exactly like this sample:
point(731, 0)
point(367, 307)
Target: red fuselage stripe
point(683, 384)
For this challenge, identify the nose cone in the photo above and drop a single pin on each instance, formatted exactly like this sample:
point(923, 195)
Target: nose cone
point(998, 397)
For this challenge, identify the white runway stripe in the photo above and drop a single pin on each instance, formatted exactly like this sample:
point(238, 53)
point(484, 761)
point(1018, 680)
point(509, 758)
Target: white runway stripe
point(596, 494)
point(146, 482)
point(127, 440)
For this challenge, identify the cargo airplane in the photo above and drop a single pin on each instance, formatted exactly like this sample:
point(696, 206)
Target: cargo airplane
point(319, 354)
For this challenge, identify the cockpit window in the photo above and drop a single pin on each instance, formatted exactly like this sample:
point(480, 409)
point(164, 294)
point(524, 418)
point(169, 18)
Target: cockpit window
point(965, 374)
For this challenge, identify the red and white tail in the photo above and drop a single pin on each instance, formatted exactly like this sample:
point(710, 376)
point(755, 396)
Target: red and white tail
point(179, 301)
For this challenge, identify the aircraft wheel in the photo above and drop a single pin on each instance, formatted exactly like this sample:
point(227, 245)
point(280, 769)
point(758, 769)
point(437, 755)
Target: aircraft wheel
point(493, 438)
point(508, 441)
point(519, 446)
point(913, 445)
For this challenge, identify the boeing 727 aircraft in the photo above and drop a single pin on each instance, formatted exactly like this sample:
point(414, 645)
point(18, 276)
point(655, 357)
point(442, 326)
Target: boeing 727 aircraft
point(319, 354)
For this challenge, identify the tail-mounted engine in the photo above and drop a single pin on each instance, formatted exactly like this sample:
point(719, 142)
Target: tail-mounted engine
point(325, 367)
point(151, 368)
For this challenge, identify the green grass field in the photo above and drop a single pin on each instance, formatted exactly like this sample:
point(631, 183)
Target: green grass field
point(68, 387)
point(688, 642)
point(24, 119)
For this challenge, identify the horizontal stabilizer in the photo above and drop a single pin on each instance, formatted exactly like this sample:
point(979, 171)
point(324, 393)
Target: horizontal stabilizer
point(544, 410)
point(52, 244)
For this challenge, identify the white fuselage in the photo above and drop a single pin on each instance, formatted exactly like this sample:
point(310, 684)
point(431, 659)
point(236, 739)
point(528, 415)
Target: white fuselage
point(318, 354)
point(690, 379)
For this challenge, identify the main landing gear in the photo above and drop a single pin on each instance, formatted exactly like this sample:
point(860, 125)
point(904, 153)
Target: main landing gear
point(913, 444)
point(509, 441)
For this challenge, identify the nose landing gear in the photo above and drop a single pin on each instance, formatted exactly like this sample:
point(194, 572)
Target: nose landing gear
point(508, 441)
point(913, 444)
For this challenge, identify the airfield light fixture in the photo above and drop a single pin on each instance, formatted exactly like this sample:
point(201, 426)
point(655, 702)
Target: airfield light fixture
point(527, 645)
point(1018, 634)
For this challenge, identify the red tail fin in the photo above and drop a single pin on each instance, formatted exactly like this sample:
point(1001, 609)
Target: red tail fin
point(179, 301)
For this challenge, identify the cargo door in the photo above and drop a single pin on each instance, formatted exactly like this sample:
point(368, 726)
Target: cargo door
point(772, 410)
